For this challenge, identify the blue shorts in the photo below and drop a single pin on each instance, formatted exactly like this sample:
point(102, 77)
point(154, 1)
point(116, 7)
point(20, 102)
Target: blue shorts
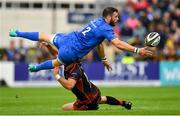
point(66, 54)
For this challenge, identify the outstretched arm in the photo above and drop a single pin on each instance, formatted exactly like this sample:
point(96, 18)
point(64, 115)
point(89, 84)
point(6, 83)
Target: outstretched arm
point(127, 47)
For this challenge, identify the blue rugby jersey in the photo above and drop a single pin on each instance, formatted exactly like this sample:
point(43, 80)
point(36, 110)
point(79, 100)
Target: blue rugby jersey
point(92, 35)
point(75, 45)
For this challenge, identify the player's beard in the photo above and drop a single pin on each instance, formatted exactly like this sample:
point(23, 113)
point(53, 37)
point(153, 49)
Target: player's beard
point(112, 22)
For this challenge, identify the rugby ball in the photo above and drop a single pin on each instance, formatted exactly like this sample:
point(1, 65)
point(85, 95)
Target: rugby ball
point(152, 39)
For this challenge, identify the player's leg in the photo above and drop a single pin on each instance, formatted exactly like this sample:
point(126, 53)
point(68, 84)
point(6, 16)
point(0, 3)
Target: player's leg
point(49, 64)
point(46, 37)
point(114, 101)
point(34, 36)
point(68, 106)
point(77, 106)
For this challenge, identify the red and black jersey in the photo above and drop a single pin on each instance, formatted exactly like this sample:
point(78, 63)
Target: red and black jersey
point(84, 90)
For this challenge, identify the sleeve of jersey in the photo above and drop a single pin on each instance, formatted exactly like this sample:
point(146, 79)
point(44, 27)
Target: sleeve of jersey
point(74, 75)
point(109, 34)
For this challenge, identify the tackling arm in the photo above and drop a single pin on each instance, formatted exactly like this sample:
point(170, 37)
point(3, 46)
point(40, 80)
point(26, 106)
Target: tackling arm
point(68, 84)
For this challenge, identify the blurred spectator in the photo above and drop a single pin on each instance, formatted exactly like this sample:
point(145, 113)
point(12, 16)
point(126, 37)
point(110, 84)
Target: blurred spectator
point(161, 30)
point(128, 59)
point(173, 26)
point(154, 4)
point(126, 32)
point(143, 18)
point(166, 19)
point(177, 16)
point(3, 55)
point(141, 5)
point(157, 18)
point(150, 13)
point(164, 6)
point(124, 15)
point(132, 21)
point(31, 53)
point(11, 51)
point(140, 31)
point(169, 49)
point(22, 52)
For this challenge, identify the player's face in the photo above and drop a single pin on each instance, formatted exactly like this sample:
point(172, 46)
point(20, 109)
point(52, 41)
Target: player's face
point(114, 18)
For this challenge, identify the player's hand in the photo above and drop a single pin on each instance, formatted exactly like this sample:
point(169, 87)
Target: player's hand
point(146, 52)
point(107, 65)
point(56, 71)
point(41, 44)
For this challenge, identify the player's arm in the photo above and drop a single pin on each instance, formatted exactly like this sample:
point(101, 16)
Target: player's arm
point(68, 84)
point(127, 47)
point(52, 49)
point(100, 51)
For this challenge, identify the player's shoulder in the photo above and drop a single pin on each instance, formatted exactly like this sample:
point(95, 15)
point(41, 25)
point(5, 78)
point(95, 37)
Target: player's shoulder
point(70, 67)
point(73, 71)
point(100, 22)
point(73, 68)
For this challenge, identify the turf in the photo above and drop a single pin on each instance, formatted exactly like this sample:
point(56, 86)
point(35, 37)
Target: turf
point(48, 101)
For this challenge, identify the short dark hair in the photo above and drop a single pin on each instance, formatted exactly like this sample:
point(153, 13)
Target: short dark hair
point(108, 11)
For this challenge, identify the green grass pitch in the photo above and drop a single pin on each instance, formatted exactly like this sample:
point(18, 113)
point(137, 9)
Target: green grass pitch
point(48, 101)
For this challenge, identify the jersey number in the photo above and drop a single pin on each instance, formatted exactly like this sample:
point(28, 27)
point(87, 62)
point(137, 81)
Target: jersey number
point(87, 30)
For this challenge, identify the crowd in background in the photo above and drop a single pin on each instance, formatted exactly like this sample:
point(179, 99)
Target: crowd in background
point(137, 19)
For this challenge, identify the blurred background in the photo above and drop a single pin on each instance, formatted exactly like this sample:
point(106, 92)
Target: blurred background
point(137, 19)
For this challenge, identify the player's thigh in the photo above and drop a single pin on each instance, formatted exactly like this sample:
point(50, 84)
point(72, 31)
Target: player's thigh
point(68, 106)
point(56, 62)
point(46, 37)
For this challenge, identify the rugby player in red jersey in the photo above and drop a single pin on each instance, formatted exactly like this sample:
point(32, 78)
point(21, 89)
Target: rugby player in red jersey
point(88, 95)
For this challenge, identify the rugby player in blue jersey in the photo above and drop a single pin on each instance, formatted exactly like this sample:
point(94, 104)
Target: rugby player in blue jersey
point(75, 45)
